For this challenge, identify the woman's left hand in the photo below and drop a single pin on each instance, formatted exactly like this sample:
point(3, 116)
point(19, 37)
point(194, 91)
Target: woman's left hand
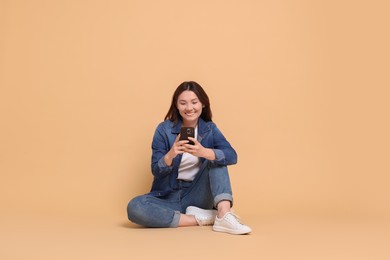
point(198, 150)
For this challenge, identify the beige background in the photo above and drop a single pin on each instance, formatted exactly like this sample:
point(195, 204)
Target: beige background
point(300, 88)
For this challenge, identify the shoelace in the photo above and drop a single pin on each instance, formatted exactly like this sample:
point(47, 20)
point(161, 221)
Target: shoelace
point(238, 218)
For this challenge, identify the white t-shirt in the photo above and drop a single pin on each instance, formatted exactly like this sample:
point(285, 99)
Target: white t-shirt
point(189, 165)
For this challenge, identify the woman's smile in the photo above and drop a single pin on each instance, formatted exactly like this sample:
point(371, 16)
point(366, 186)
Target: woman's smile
point(190, 113)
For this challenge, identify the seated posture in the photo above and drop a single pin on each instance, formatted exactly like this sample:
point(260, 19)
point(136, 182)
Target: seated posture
point(190, 156)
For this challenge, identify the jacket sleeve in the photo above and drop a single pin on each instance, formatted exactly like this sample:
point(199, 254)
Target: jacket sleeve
point(224, 152)
point(160, 146)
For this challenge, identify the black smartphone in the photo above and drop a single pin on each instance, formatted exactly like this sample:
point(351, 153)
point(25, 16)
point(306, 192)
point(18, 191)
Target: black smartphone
point(186, 132)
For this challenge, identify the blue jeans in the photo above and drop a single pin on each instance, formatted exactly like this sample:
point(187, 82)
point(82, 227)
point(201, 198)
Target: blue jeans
point(210, 186)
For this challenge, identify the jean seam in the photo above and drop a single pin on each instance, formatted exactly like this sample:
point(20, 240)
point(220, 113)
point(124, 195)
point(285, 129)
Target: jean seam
point(175, 219)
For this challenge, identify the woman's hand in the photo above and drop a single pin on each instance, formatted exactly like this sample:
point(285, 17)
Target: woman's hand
point(198, 150)
point(177, 148)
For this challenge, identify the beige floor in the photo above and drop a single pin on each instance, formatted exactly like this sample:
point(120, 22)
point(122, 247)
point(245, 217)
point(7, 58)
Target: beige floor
point(274, 237)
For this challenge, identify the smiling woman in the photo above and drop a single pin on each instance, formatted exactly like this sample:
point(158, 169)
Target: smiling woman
point(190, 108)
point(189, 102)
point(191, 181)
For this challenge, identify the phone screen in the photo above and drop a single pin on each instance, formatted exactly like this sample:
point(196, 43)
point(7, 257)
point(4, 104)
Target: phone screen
point(186, 132)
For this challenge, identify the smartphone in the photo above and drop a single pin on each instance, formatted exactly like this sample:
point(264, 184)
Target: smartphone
point(186, 132)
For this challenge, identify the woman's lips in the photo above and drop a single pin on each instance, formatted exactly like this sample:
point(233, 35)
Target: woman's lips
point(190, 114)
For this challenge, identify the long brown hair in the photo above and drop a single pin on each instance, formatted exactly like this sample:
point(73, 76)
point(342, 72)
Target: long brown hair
point(173, 113)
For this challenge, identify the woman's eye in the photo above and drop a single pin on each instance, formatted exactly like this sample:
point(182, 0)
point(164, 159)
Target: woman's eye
point(194, 103)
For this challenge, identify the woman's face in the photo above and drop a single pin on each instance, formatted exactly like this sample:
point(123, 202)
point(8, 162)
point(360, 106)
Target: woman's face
point(190, 107)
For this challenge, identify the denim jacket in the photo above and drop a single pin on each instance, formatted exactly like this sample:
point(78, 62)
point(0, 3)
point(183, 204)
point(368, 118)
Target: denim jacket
point(208, 135)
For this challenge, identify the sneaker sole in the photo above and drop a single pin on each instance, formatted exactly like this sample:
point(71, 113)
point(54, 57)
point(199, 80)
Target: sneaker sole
point(231, 231)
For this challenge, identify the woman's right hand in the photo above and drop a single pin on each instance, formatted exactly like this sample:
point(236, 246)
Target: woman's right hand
point(176, 149)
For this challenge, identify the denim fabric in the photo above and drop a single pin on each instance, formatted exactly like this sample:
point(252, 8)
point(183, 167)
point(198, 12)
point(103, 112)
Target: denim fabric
point(210, 186)
point(168, 197)
point(208, 135)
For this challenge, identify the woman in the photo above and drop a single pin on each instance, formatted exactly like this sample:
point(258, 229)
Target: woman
point(191, 183)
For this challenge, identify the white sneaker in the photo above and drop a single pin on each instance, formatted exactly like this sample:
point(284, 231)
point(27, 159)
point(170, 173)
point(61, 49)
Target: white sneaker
point(230, 224)
point(204, 217)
